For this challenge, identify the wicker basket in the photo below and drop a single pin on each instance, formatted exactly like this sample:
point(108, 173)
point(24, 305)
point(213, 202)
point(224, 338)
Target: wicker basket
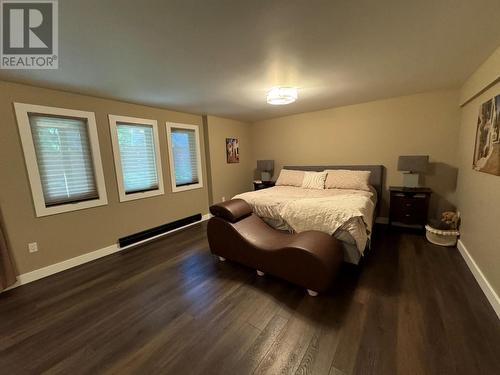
point(441, 237)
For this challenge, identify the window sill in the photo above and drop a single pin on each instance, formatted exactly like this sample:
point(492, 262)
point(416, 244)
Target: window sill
point(41, 210)
point(140, 195)
point(178, 189)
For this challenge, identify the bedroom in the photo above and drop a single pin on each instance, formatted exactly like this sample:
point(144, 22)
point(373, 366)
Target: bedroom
point(123, 274)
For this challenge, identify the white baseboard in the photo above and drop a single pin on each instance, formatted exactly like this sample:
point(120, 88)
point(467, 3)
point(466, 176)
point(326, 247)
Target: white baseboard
point(480, 278)
point(40, 273)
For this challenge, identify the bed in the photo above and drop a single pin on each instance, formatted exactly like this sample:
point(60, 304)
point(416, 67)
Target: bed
point(346, 214)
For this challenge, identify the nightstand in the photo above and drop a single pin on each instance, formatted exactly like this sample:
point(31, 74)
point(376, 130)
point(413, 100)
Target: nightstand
point(409, 206)
point(263, 185)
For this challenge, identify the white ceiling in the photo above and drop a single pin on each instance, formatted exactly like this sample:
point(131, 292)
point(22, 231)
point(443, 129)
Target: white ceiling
point(220, 57)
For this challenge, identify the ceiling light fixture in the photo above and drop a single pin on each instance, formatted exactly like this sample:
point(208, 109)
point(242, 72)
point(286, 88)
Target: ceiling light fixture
point(282, 95)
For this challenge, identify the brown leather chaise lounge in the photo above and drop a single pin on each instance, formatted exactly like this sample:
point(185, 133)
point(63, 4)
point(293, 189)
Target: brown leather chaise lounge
point(310, 259)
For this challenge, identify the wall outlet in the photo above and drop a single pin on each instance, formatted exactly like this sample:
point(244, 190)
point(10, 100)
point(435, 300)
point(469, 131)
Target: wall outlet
point(223, 199)
point(32, 247)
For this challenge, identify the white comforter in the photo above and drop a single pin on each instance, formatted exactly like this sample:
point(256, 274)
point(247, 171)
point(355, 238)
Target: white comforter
point(325, 210)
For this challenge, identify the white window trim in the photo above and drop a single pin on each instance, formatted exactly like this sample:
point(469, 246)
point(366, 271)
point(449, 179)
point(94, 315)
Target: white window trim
point(22, 110)
point(196, 129)
point(113, 119)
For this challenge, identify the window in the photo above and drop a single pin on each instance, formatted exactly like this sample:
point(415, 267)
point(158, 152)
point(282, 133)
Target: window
point(62, 156)
point(136, 150)
point(185, 158)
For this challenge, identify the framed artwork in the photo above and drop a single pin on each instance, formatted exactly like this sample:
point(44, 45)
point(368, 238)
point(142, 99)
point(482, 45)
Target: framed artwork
point(487, 147)
point(232, 150)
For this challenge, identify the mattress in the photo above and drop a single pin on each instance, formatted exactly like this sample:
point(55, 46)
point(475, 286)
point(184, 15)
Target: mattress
point(346, 214)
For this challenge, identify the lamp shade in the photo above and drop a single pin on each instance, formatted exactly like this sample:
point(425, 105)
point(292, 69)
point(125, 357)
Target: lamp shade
point(413, 163)
point(265, 165)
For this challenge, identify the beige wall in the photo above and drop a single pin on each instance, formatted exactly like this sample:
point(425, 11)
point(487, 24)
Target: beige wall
point(227, 179)
point(485, 76)
point(67, 235)
point(479, 193)
point(371, 133)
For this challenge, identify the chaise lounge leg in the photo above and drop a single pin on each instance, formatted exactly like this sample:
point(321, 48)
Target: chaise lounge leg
point(312, 293)
point(260, 273)
point(222, 259)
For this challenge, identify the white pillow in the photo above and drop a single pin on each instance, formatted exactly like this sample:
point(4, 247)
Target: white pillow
point(314, 180)
point(288, 177)
point(345, 179)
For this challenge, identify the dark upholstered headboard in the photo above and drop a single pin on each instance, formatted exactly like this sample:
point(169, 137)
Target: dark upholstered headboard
point(376, 177)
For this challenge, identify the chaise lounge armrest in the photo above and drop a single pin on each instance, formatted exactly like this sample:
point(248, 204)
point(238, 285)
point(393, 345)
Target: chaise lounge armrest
point(232, 210)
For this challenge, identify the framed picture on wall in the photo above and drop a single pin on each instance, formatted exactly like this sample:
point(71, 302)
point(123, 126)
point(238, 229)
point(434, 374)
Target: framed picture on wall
point(487, 147)
point(232, 150)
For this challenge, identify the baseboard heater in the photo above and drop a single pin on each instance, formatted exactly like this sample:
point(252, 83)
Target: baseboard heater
point(148, 233)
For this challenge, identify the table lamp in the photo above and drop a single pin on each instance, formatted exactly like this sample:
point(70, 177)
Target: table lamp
point(266, 168)
point(412, 165)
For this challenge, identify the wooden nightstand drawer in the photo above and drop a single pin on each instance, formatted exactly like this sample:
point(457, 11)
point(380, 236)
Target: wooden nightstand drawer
point(406, 205)
point(409, 206)
point(409, 214)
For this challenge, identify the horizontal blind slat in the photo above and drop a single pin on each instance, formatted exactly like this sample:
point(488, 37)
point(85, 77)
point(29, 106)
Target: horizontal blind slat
point(64, 158)
point(184, 149)
point(137, 157)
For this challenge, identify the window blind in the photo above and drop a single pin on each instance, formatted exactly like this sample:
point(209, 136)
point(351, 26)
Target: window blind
point(185, 156)
point(138, 157)
point(64, 159)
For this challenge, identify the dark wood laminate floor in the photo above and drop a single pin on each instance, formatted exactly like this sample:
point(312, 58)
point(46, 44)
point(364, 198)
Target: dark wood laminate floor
point(169, 308)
